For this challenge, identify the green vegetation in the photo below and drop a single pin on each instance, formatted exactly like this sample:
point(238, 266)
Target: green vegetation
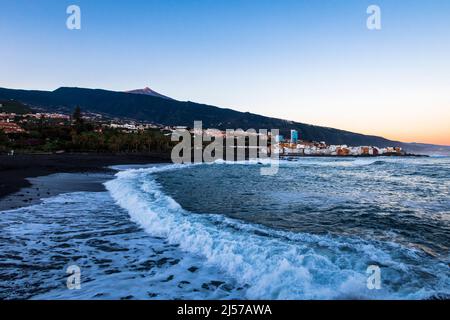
point(81, 136)
point(12, 106)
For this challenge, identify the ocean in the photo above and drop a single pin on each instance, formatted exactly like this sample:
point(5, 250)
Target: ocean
point(224, 231)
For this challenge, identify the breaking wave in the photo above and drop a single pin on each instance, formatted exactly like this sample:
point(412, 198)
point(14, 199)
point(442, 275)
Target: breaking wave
point(275, 264)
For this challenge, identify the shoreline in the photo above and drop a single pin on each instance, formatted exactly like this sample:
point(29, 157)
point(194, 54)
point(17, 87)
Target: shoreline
point(27, 178)
point(52, 185)
point(408, 155)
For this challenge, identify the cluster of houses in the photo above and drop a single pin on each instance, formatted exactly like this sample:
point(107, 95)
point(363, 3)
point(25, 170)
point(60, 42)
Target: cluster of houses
point(10, 127)
point(296, 147)
point(322, 149)
point(11, 117)
point(11, 122)
point(130, 126)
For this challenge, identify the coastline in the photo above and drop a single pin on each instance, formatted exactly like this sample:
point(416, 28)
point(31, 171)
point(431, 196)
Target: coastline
point(407, 155)
point(27, 178)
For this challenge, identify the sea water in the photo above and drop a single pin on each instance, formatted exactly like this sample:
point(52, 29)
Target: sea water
point(224, 231)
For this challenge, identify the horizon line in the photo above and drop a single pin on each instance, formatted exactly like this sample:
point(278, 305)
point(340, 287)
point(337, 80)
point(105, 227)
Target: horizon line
point(213, 105)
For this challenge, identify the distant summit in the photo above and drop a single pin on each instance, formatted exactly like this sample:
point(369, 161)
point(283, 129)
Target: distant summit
point(149, 92)
point(147, 105)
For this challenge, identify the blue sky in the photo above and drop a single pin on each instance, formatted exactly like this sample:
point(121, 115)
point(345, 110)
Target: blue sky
point(304, 60)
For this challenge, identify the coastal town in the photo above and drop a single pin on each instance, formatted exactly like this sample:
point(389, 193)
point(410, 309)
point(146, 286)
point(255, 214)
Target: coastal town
point(296, 147)
point(12, 123)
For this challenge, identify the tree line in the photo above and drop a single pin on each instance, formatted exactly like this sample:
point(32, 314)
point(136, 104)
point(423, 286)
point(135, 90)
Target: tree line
point(83, 136)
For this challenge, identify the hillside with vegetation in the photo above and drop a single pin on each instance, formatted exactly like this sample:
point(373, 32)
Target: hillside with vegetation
point(43, 135)
point(170, 112)
point(13, 106)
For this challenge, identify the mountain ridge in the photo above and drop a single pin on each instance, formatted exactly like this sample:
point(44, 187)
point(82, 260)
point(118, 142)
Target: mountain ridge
point(184, 113)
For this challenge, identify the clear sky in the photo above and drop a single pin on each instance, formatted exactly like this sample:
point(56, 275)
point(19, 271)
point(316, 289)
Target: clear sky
point(312, 61)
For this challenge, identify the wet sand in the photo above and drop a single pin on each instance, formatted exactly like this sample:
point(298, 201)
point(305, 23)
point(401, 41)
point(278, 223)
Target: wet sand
point(53, 185)
point(25, 179)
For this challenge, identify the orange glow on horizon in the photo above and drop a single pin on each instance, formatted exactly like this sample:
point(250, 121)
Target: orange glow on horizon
point(430, 136)
point(443, 140)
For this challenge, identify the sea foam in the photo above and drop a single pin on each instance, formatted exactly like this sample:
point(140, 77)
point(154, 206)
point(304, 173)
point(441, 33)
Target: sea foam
point(271, 264)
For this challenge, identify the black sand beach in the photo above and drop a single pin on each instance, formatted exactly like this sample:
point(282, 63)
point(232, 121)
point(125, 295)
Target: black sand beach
point(25, 179)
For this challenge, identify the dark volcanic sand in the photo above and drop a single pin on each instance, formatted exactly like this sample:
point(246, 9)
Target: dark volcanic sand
point(16, 173)
point(52, 185)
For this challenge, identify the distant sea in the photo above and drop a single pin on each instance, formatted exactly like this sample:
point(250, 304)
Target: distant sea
point(223, 231)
